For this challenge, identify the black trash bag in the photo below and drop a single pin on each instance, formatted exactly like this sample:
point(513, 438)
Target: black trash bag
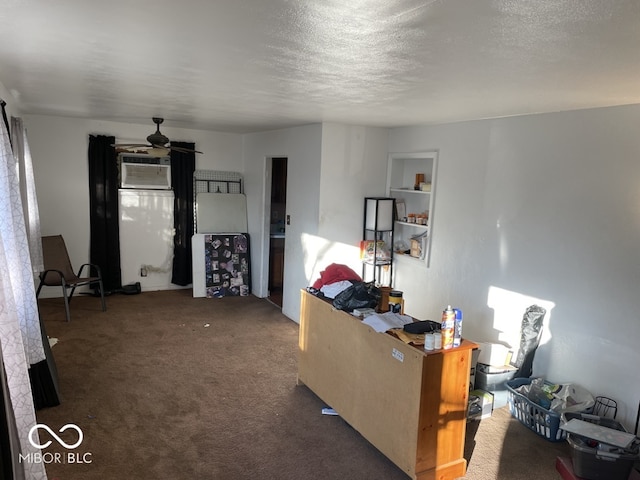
point(358, 295)
point(131, 289)
point(530, 333)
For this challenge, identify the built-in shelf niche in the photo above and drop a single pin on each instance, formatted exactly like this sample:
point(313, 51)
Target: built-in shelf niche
point(401, 185)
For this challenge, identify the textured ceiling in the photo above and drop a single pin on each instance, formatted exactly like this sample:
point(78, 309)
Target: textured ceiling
point(253, 65)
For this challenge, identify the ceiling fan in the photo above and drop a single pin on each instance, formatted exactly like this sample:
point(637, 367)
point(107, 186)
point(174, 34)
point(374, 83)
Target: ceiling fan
point(158, 143)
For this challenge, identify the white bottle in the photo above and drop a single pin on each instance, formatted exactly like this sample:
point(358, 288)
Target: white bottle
point(437, 341)
point(429, 341)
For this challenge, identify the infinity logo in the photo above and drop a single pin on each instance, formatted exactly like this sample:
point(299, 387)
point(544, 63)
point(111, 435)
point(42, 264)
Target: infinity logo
point(60, 441)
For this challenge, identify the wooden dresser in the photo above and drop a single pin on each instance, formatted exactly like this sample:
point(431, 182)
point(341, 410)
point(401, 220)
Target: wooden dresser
point(410, 404)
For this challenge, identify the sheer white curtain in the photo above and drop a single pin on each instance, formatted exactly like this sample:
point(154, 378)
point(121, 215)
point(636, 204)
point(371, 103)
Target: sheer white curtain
point(20, 333)
point(22, 155)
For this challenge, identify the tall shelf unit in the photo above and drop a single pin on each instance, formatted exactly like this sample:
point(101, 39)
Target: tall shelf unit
point(377, 236)
point(414, 203)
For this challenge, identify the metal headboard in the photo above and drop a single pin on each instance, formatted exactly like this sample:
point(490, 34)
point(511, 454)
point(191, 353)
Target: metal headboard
point(214, 181)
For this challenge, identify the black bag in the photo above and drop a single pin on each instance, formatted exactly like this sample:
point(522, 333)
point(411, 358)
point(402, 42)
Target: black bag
point(131, 289)
point(530, 333)
point(422, 326)
point(358, 295)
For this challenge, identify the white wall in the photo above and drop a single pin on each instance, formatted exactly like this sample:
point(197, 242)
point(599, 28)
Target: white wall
point(331, 168)
point(541, 208)
point(10, 106)
point(302, 146)
point(353, 164)
point(534, 209)
point(59, 147)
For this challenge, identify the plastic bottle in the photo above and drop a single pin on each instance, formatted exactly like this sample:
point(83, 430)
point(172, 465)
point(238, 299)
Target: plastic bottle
point(448, 323)
point(457, 328)
point(429, 343)
point(437, 340)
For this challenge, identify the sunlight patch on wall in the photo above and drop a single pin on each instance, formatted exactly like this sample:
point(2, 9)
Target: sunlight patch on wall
point(319, 252)
point(133, 201)
point(509, 308)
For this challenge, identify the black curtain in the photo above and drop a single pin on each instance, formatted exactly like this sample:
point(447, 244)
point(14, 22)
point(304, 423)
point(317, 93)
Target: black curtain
point(6, 460)
point(3, 104)
point(183, 165)
point(44, 376)
point(104, 248)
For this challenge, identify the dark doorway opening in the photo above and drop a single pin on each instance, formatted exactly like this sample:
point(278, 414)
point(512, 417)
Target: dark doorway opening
point(277, 226)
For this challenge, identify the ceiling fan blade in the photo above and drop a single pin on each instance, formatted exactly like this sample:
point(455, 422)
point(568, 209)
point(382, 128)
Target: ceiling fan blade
point(183, 150)
point(157, 142)
point(131, 145)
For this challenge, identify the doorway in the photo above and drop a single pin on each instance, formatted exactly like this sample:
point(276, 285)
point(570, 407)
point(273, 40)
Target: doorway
point(277, 225)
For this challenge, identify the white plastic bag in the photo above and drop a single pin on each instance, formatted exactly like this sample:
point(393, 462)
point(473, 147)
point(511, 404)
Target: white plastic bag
point(571, 398)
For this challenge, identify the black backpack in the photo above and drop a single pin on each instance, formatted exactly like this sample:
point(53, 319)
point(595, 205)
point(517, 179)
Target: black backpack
point(358, 295)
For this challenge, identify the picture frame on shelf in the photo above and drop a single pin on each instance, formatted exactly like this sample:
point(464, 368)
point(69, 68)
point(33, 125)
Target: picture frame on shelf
point(374, 250)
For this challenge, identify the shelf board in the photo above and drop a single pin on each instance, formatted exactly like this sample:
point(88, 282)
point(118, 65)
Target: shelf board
point(379, 263)
point(417, 225)
point(408, 190)
point(398, 255)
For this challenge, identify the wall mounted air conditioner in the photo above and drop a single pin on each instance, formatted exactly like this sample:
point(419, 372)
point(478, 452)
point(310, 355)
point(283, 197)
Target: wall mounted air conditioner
point(142, 171)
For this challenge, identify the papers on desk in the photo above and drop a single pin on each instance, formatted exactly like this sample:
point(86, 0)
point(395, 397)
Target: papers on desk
point(381, 322)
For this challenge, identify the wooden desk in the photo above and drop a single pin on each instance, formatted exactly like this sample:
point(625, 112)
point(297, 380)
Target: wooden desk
point(410, 404)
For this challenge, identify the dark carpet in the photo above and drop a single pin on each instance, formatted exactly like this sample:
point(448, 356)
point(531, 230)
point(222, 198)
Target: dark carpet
point(166, 386)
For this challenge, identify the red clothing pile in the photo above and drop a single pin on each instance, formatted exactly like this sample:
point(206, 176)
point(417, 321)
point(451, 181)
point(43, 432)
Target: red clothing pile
point(335, 273)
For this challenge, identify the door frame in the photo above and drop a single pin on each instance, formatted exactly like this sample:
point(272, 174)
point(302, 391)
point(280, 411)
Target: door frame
point(266, 227)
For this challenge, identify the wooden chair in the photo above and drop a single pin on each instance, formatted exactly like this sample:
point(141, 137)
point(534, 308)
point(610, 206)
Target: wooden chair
point(59, 272)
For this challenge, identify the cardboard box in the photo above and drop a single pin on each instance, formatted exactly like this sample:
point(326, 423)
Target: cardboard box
point(480, 405)
point(416, 248)
point(494, 354)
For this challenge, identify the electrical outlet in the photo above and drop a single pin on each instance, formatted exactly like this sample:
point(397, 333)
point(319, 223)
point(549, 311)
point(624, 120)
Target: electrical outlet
point(143, 271)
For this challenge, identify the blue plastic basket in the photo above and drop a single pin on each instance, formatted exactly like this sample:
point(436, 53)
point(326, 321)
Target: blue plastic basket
point(542, 421)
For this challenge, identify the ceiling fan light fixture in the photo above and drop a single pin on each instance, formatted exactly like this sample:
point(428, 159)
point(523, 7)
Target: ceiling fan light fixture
point(157, 139)
point(158, 151)
point(158, 146)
